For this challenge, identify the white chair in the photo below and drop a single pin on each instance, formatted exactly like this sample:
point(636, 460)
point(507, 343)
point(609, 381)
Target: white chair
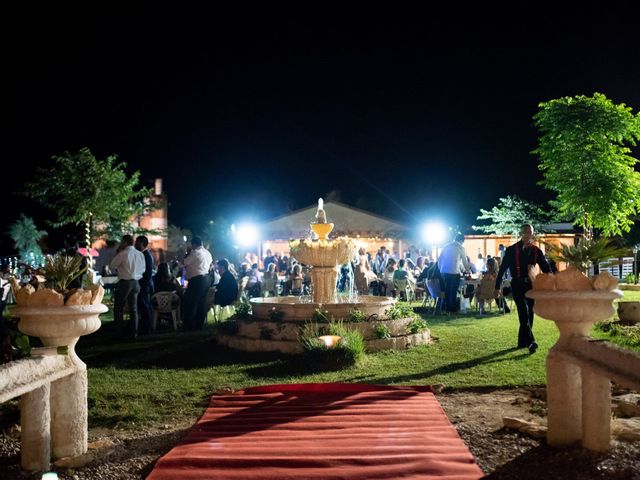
point(404, 285)
point(166, 302)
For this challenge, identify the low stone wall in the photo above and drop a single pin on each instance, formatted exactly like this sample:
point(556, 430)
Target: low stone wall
point(258, 335)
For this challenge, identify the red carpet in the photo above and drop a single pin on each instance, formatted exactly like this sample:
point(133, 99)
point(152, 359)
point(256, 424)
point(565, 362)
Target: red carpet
point(321, 431)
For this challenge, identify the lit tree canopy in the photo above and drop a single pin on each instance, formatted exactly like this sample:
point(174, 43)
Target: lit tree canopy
point(585, 158)
point(80, 188)
point(510, 214)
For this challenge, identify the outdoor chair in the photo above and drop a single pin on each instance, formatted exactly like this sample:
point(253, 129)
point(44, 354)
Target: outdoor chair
point(166, 302)
point(404, 286)
point(435, 291)
point(485, 293)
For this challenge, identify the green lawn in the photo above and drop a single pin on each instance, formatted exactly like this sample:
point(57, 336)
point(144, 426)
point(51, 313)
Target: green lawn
point(171, 375)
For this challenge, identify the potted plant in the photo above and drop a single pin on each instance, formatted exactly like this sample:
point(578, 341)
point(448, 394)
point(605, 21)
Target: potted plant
point(59, 316)
point(572, 299)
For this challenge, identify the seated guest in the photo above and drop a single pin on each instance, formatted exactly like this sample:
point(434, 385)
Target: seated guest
point(164, 281)
point(402, 273)
point(270, 281)
point(227, 287)
point(420, 266)
point(486, 288)
point(297, 279)
point(364, 274)
point(245, 270)
point(255, 281)
point(387, 278)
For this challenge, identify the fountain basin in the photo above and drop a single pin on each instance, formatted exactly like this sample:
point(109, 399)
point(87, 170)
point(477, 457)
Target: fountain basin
point(275, 324)
point(301, 309)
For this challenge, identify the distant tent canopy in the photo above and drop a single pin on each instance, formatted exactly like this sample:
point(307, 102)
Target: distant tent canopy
point(347, 221)
point(372, 230)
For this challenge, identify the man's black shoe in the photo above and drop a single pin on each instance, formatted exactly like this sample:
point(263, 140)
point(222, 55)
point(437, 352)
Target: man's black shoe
point(533, 347)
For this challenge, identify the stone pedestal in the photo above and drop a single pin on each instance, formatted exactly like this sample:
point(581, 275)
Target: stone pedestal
point(35, 429)
point(578, 399)
point(324, 284)
point(55, 416)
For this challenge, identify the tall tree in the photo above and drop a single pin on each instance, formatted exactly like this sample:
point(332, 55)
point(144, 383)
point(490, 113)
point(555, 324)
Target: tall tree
point(82, 189)
point(26, 236)
point(510, 214)
point(585, 158)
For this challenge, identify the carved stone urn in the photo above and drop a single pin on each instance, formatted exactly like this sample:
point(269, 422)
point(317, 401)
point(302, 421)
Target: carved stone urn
point(61, 325)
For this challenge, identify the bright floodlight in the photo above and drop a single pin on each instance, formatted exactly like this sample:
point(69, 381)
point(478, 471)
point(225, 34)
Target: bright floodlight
point(434, 233)
point(246, 235)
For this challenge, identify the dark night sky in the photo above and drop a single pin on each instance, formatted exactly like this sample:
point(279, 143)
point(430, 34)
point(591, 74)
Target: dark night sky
point(248, 114)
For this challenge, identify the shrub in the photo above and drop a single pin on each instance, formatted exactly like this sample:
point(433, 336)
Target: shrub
point(628, 335)
point(400, 311)
point(243, 309)
point(629, 278)
point(382, 331)
point(349, 351)
point(356, 316)
point(417, 325)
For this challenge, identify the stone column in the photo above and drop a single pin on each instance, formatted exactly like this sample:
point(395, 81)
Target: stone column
point(34, 424)
point(596, 411)
point(564, 401)
point(324, 284)
point(69, 415)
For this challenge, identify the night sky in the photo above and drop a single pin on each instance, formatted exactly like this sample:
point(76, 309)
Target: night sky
point(253, 113)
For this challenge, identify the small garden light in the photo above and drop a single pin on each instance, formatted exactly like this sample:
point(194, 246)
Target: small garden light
point(330, 341)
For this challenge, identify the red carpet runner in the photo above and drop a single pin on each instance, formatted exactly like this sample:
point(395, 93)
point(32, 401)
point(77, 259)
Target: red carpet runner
point(321, 431)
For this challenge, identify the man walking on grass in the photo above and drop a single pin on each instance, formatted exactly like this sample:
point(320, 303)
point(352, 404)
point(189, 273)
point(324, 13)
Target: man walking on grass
point(520, 258)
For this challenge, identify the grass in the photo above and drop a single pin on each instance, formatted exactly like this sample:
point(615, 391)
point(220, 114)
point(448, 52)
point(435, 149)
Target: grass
point(169, 376)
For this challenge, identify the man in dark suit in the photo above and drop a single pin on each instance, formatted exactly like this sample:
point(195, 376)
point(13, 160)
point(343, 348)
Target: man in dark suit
point(146, 286)
point(227, 287)
point(520, 258)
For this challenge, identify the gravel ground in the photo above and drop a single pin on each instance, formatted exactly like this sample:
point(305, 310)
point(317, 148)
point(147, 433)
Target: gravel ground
point(501, 453)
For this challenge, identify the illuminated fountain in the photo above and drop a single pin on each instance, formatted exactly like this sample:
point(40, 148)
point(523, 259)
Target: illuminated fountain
point(274, 324)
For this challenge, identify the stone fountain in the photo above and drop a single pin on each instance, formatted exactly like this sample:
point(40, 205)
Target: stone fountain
point(274, 324)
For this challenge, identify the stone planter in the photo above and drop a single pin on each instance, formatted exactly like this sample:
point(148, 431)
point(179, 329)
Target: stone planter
point(574, 312)
point(629, 312)
point(59, 326)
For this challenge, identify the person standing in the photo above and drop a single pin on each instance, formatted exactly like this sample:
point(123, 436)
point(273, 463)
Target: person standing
point(451, 260)
point(130, 265)
point(146, 285)
point(197, 263)
point(520, 258)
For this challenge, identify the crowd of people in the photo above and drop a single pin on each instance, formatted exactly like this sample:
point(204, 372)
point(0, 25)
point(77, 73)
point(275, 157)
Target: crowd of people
point(212, 282)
